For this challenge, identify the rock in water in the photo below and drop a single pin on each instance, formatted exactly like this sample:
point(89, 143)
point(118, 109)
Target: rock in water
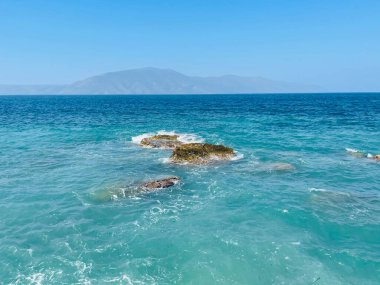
point(115, 193)
point(161, 183)
point(200, 153)
point(161, 141)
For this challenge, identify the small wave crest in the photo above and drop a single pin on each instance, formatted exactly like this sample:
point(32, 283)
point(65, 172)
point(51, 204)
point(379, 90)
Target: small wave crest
point(352, 150)
point(322, 190)
point(318, 190)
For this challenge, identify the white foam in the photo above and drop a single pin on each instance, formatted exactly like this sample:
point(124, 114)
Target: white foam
point(329, 191)
point(138, 139)
point(119, 280)
point(36, 278)
point(318, 190)
point(30, 251)
point(182, 137)
point(237, 156)
point(164, 160)
point(230, 242)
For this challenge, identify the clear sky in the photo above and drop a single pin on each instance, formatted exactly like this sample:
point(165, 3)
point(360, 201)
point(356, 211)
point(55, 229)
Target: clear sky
point(331, 43)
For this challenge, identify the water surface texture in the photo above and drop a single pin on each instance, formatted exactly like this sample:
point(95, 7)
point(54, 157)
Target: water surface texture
point(236, 222)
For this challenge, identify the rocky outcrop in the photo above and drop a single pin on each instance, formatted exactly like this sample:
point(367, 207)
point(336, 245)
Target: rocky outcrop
point(200, 153)
point(161, 141)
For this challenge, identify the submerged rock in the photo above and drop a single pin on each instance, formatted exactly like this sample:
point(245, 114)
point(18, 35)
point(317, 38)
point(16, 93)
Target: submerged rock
point(281, 166)
point(161, 141)
point(161, 183)
point(134, 190)
point(357, 153)
point(275, 167)
point(200, 153)
point(360, 155)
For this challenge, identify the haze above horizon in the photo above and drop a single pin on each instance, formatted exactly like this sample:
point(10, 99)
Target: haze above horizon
point(333, 44)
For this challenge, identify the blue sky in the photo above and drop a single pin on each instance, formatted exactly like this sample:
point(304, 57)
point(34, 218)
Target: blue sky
point(334, 44)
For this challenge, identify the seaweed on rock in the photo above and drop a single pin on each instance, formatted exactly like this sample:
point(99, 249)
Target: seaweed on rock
point(200, 153)
point(161, 141)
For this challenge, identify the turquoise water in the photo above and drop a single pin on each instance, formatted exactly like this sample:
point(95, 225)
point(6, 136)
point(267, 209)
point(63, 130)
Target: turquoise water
point(236, 222)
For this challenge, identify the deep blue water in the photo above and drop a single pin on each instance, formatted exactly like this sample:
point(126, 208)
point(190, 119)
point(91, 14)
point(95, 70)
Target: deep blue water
point(236, 222)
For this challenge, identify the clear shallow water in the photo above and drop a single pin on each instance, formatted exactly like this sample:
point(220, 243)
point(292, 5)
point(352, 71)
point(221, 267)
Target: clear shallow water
point(228, 223)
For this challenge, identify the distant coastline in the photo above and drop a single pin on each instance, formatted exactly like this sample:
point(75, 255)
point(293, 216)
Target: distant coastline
point(155, 81)
point(174, 95)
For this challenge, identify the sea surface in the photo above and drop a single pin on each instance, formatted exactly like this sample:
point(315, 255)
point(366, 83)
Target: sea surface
point(233, 222)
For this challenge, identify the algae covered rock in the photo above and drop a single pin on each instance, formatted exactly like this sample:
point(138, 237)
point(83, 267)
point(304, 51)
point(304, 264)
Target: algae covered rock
point(161, 183)
point(161, 141)
point(199, 153)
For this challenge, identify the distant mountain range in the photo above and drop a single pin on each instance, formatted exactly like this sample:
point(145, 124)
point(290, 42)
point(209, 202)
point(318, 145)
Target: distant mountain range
point(161, 81)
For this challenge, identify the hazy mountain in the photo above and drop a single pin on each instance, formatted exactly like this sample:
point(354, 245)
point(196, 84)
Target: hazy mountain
point(162, 81)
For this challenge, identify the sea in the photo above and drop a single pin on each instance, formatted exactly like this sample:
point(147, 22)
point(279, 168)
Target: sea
point(296, 205)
